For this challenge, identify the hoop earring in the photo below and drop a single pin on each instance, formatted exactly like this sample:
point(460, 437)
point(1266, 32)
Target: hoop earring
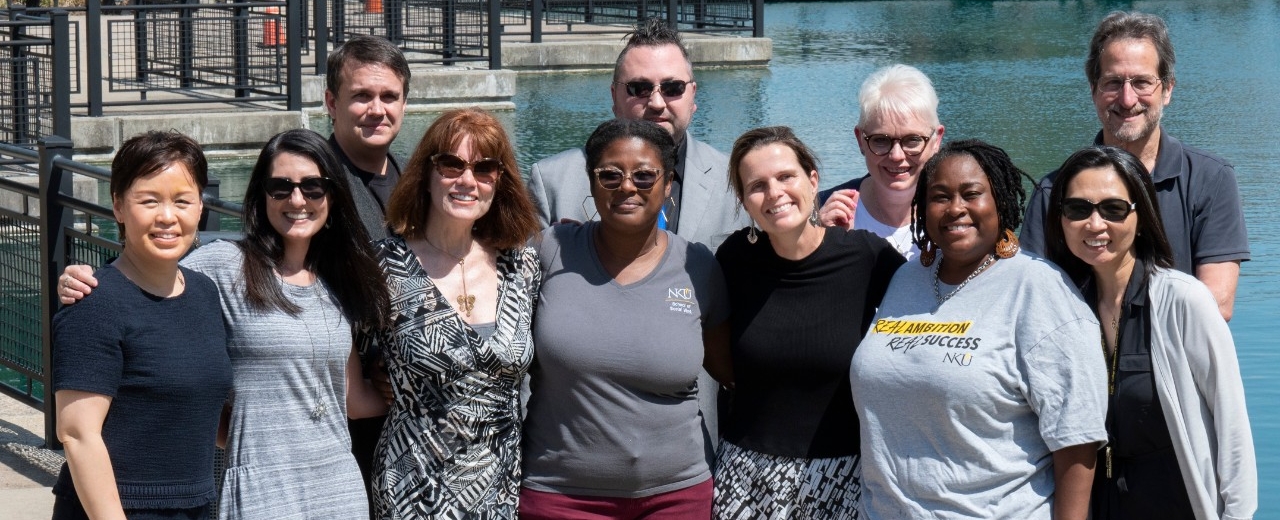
point(928, 254)
point(589, 216)
point(1007, 246)
point(751, 231)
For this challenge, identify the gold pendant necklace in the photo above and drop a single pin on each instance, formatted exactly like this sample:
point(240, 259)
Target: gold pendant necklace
point(466, 302)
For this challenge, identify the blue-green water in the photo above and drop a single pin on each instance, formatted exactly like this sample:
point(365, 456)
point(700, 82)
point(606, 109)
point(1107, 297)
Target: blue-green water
point(1007, 72)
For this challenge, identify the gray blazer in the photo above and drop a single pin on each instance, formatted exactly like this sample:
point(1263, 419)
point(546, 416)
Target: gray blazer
point(708, 208)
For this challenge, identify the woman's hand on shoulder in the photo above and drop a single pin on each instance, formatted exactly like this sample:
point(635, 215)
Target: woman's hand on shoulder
point(840, 209)
point(75, 283)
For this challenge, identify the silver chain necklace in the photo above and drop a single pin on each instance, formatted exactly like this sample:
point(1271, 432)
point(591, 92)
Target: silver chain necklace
point(320, 409)
point(937, 293)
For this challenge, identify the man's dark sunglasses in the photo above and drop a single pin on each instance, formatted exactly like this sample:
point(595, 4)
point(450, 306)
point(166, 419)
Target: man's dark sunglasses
point(644, 89)
point(1113, 210)
point(313, 188)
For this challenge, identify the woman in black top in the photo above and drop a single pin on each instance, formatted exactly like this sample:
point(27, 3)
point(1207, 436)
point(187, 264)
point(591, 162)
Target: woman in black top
point(1180, 445)
point(801, 297)
point(140, 366)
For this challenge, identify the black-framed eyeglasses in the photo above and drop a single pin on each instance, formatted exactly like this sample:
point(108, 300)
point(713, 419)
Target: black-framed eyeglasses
point(450, 166)
point(313, 188)
point(611, 178)
point(882, 144)
point(1142, 85)
point(1113, 210)
point(644, 89)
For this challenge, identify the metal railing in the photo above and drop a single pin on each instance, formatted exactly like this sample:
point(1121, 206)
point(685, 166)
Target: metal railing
point(34, 57)
point(44, 228)
point(618, 16)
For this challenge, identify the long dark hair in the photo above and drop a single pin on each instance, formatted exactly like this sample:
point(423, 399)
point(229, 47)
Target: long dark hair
point(339, 253)
point(1005, 179)
point(1150, 245)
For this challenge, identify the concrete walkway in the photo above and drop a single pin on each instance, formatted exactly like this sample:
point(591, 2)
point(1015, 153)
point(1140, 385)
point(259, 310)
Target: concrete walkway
point(27, 470)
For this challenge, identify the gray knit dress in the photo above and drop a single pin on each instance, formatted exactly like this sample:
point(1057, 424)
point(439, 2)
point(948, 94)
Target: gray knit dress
point(288, 449)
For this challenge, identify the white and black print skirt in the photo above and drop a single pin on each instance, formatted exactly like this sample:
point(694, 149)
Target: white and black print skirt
point(754, 485)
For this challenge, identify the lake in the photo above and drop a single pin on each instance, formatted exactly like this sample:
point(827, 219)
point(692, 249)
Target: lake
point(1007, 72)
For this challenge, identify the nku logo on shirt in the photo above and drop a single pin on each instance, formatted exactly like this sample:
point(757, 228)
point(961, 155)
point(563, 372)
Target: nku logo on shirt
point(681, 300)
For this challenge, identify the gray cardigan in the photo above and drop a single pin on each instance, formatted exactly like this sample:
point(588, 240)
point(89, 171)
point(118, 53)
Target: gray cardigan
point(1198, 381)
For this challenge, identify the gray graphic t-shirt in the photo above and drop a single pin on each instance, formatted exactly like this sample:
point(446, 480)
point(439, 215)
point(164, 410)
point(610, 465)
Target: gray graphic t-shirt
point(963, 404)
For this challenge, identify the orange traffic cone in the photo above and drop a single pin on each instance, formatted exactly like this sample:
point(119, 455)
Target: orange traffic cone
point(272, 29)
point(373, 6)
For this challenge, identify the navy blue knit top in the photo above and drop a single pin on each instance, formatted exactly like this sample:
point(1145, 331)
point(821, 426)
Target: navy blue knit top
point(164, 363)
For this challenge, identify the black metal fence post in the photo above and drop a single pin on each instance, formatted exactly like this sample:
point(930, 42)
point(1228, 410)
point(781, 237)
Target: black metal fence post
point(293, 48)
point(140, 42)
point(61, 62)
point(449, 18)
point(240, 48)
point(673, 14)
point(187, 40)
point(393, 13)
point(55, 218)
point(321, 8)
point(535, 21)
point(20, 72)
point(93, 34)
point(757, 18)
point(495, 34)
point(339, 21)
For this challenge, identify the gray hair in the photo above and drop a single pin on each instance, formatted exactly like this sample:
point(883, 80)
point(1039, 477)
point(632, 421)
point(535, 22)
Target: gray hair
point(1139, 26)
point(898, 90)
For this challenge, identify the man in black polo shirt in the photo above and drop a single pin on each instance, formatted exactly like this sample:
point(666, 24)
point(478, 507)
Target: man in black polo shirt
point(1130, 71)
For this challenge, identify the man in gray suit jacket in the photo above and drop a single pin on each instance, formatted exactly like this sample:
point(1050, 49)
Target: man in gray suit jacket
point(653, 80)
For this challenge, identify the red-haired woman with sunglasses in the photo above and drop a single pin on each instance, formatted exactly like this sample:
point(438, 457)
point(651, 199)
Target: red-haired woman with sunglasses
point(1180, 444)
point(457, 343)
point(291, 291)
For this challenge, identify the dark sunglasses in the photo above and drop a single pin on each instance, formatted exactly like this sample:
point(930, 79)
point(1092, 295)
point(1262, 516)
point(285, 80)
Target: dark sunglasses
point(313, 188)
point(1114, 210)
point(644, 89)
point(611, 178)
point(450, 166)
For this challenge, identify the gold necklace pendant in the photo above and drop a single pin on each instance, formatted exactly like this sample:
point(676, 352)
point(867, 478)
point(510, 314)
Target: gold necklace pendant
point(466, 302)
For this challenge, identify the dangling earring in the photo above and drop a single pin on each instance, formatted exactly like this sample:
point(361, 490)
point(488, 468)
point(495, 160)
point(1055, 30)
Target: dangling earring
point(589, 216)
point(327, 223)
point(1007, 246)
point(813, 213)
point(751, 231)
point(928, 254)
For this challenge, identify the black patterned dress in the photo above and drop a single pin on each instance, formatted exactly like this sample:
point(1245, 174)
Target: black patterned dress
point(451, 446)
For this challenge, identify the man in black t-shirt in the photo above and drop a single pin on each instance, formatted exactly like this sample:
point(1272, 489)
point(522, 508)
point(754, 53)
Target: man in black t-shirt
point(365, 98)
